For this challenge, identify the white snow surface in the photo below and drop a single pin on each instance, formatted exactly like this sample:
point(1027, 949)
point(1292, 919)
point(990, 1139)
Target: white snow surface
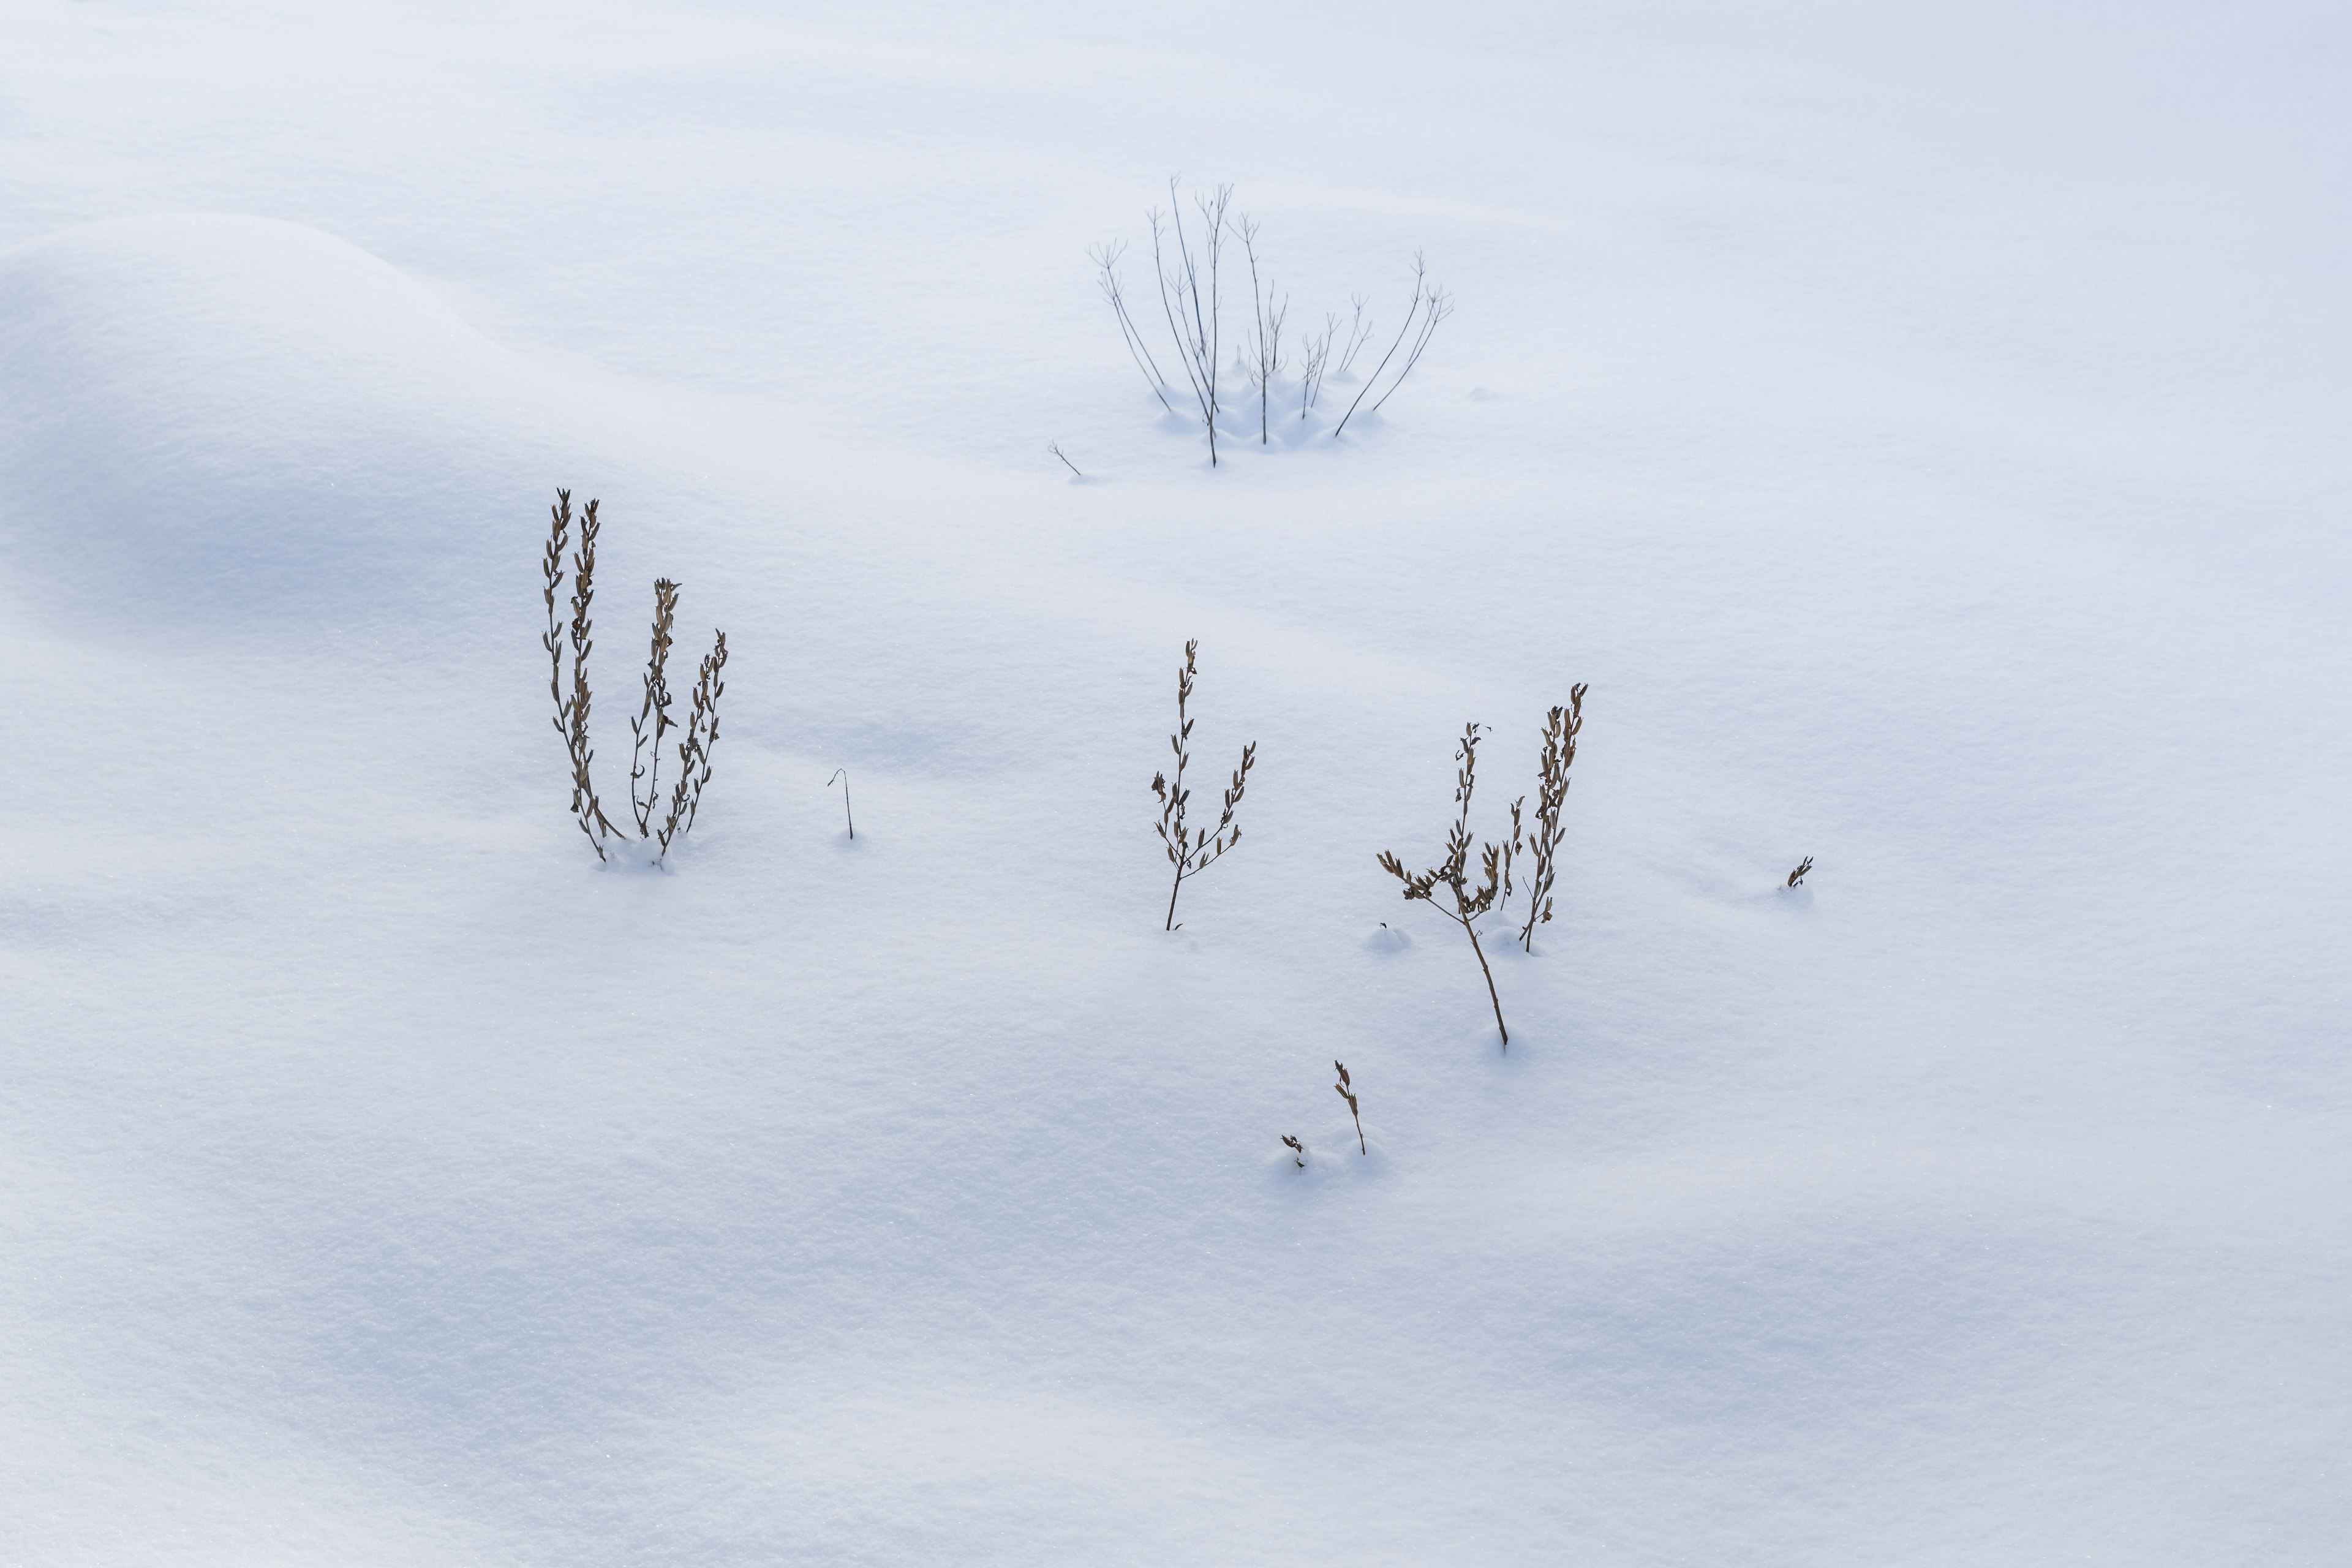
point(1923, 427)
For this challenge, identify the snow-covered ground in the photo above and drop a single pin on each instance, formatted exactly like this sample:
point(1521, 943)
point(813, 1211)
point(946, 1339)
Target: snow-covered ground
point(1923, 427)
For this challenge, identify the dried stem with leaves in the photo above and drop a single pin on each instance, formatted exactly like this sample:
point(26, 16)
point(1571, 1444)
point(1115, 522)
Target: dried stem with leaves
point(1190, 855)
point(1797, 876)
point(1560, 727)
point(1346, 1091)
point(1453, 874)
point(1297, 1150)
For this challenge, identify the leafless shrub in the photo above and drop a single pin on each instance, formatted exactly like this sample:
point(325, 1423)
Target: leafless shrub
point(652, 719)
point(1297, 1150)
point(1187, 262)
point(1346, 1090)
point(1191, 856)
point(1797, 876)
point(1453, 873)
point(1560, 727)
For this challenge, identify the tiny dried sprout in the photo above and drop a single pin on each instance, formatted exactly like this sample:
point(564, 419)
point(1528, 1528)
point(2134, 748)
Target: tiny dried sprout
point(1191, 851)
point(1798, 875)
point(1297, 1150)
point(1346, 1090)
point(1055, 448)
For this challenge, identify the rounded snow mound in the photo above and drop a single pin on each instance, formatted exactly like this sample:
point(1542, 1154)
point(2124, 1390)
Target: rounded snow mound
point(236, 414)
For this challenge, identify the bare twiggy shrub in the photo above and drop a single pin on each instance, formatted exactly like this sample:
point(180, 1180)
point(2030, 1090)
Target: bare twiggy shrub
point(652, 719)
point(1187, 261)
point(1191, 856)
point(1797, 876)
point(843, 774)
point(1453, 874)
point(1297, 1150)
point(1346, 1091)
point(1560, 728)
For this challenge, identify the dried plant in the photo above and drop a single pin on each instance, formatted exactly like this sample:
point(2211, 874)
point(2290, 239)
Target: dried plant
point(1297, 1150)
point(1453, 874)
point(1055, 448)
point(694, 752)
point(571, 708)
point(1797, 876)
point(652, 722)
point(1560, 727)
point(1191, 856)
point(1346, 1091)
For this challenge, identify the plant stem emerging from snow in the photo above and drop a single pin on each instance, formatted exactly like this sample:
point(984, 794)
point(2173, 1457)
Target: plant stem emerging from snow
point(1453, 873)
point(1188, 856)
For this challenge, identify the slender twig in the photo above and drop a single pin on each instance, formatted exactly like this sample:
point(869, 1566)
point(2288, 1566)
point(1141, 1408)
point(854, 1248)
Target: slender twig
point(843, 774)
point(1106, 256)
point(1055, 448)
point(1440, 306)
point(1419, 272)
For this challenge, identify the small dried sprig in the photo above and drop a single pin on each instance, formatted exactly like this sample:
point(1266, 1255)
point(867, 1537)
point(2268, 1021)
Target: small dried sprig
point(1297, 1150)
point(1560, 728)
point(1797, 876)
point(1189, 856)
point(694, 752)
point(1346, 1090)
point(1453, 874)
point(653, 720)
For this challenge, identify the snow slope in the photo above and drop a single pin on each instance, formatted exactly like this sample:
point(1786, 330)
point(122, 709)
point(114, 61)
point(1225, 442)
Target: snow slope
point(1924, 435)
